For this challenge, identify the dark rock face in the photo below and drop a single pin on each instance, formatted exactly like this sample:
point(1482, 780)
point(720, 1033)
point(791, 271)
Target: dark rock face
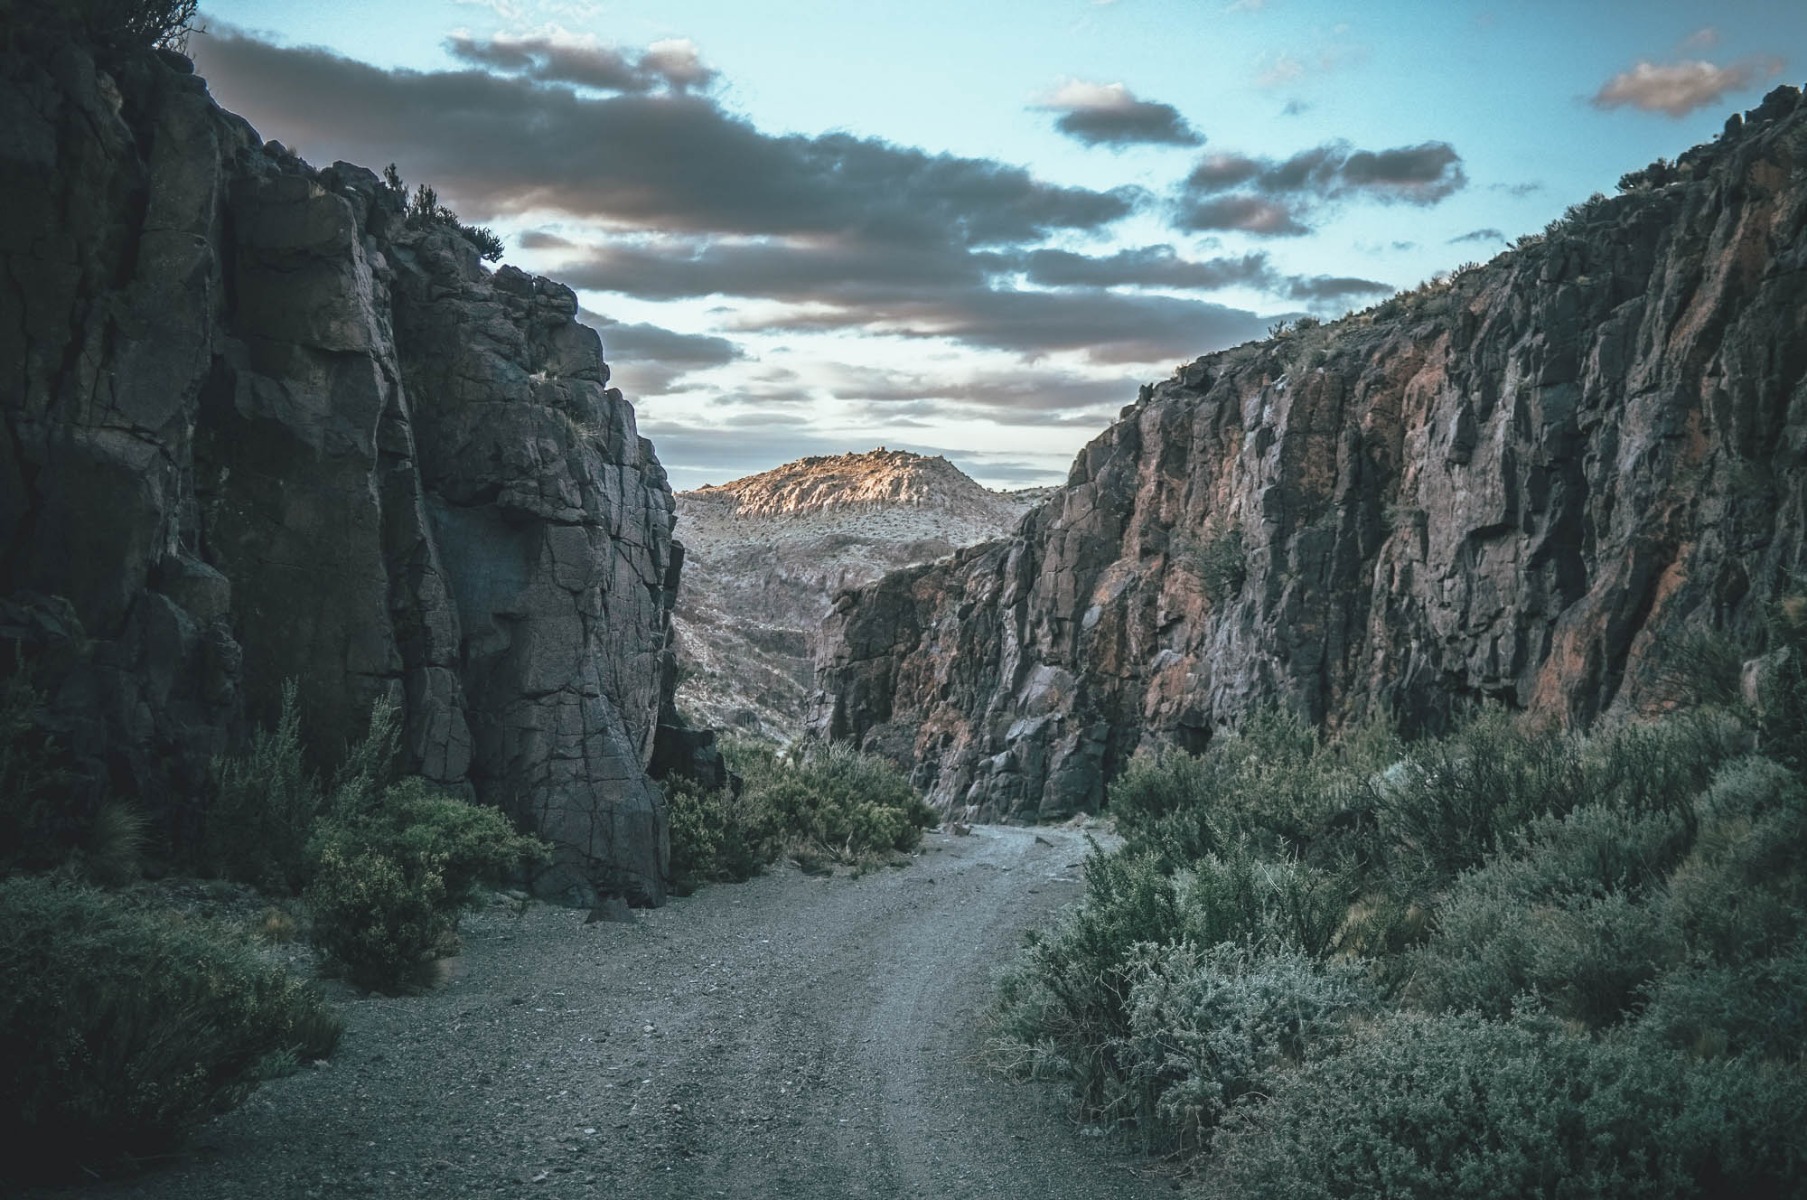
point(1525, 484)
point(259, 429)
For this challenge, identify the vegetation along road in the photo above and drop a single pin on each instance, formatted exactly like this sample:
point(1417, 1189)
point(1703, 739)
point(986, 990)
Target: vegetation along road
point(795, 1036)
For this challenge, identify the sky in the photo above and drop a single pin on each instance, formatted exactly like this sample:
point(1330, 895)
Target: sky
point(975, 227)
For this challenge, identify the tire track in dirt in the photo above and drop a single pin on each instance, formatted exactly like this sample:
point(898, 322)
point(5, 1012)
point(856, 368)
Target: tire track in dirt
point(790, 1037)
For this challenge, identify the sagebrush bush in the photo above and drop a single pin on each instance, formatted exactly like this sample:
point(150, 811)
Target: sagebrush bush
point(1210, 1030)
point(1446, 805)
point(1741, 894)
point(119, 1029)
point(1461, 1105)
point(263, 807)
point(721, 835)
point(1783, 688)
point(834, 802)
point(1581, 962)
point(394, 871)
point(1756, 1008)
point(1274, 783)
point(38, 822)
point(1569, 911)
point(1064, 1011)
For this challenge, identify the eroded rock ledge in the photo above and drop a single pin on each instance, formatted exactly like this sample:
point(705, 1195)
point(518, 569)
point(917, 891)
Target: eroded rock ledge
point(259, 429)
point(1524, 485)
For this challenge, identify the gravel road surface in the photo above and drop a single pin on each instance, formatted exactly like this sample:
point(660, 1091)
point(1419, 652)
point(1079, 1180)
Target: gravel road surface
point(794, 1036)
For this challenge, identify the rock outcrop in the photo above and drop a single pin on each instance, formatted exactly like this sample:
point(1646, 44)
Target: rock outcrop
point(765, 555)
point(260, 429)
point(1528, 484)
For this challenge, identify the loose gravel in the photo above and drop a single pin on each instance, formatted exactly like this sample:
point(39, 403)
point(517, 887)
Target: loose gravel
point(795, 1036)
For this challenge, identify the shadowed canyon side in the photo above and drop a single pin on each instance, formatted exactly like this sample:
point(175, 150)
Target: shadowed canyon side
point(764, 556)
point(1526, 483)
point(261, 427)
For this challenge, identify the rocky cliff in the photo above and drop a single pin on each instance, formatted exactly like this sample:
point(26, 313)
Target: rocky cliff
point(1528, 483)
point(765, 555)
point(259, 429)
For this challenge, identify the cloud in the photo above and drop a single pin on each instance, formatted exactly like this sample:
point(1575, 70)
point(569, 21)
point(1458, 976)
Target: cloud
point(1098, 114)
point(1516, 190)
point(1333, 52)
point(1015, 396)
point(1105, 327)
point(673, 161)
point(846, 271)
point(1247, 214)
point(1329, 289)
point(647, 360)
point(558, 56)
point(1272, 197)
point(1701, 39)
point(1280, 70)
point(1478, 235)
point(1679, 88)
point(642, 341)
point(1144, 266)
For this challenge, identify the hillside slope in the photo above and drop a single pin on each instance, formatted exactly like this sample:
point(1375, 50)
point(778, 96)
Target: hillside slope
point(765, 554)
point(1526, 484)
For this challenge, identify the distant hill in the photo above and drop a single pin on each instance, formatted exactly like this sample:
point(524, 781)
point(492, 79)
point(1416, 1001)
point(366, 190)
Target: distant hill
point(765, 554)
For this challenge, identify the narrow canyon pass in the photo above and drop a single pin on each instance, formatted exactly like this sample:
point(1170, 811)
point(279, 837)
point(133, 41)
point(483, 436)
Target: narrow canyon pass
point(764, 556)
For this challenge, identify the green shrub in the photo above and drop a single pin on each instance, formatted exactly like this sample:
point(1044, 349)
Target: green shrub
point(119, 1029)
point(1783, 687)
point(1212, 1030)
point(1647, 884)
point(1273, 783)
point(394, 872)
point(1569, 912)
point(1223, 565)
point(263, 807)
point(1741, 894)
point(833, 802)
point(718, 836)
point(1446, 806)
point(1064, 1003)
point(1064, 1009)
point(422, 210)
point(1464, 1106)
point(1757, 1008)
point(39, 824)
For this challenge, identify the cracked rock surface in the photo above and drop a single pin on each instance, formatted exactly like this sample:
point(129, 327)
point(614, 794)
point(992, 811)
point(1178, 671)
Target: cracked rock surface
point(1527, 484)
point(259, 428)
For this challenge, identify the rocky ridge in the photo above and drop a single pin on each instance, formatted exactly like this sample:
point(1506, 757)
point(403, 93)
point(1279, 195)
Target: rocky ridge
point(259, 428)
point(765, 554)
point(1528, 483)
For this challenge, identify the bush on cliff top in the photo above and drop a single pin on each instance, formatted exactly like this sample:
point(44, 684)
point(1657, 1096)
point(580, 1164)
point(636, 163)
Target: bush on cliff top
point(107, 25)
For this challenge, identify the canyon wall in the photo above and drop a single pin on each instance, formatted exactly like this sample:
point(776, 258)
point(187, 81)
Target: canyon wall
point(261, 428)
point(1531, 483)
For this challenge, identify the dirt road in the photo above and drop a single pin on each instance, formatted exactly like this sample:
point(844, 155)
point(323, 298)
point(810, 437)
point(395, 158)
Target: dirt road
point(790, 1037)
